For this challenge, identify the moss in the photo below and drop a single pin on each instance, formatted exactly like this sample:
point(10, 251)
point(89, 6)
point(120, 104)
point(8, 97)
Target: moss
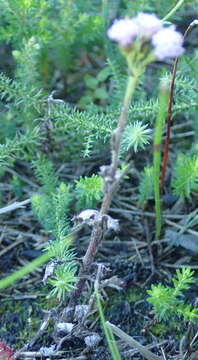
point(135, 294)
point(14, 315)
point(159, 329)
point(174, 326)
point(20, 319)
point(45, 303)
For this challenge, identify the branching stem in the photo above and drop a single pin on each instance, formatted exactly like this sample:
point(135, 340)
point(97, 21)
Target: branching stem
point(111, 181)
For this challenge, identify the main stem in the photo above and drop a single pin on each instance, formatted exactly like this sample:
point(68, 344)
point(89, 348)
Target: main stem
point(110, 184)
point(116, 141)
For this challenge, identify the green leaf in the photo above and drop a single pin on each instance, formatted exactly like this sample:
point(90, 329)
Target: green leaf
point(85, 100)
point(91, 81)
point(103, 74)
point(101, 93)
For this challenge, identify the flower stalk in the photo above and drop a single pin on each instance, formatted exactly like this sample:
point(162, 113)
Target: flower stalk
point(111, 181)
point(141, 40)
point(116, 141)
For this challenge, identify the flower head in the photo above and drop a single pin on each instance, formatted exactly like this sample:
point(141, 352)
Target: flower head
point(123, 31)
point(148, 24)
point(167, 43)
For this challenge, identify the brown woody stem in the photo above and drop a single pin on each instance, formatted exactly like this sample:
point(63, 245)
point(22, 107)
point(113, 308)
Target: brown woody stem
point(111, 181)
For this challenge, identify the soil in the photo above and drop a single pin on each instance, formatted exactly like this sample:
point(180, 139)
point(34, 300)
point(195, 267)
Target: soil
point(131, 265)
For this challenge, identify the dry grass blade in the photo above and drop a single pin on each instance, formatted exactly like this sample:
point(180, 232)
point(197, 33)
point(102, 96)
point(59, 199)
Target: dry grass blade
point(132, 342)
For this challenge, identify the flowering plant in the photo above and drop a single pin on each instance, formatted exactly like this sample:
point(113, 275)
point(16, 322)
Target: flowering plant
point(146, 33)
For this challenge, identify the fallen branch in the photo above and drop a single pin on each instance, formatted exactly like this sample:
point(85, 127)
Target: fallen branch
point(14, 206)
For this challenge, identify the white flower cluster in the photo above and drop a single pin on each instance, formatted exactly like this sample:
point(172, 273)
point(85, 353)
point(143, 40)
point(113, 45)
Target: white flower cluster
point(166, 41)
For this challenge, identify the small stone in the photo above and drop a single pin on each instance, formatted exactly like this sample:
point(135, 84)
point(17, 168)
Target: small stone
point(47, 351)
point(112, 224)
point(80, 311)
point(65, 327)
point(92, 340)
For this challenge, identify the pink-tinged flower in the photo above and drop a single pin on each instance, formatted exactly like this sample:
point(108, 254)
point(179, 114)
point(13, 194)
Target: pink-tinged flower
point(167, 43)
point(148, 24)
point(123, 31)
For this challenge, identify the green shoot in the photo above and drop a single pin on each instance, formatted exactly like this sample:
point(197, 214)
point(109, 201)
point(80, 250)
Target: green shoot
point(163, 103)
point(88, 191)
point(168, 301)
point(108, 333)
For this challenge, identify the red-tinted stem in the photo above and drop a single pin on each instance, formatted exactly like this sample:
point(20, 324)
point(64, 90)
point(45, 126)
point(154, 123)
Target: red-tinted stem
point(169, 113)
point(168, 126)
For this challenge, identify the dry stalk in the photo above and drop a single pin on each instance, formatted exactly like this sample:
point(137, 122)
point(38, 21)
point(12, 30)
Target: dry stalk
point(112, 178)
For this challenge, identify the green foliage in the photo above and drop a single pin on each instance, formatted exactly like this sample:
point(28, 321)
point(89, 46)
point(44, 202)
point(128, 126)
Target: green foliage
point(159, 124)
point(42, 209)
point(168, 301)
point(88, 191)
point(83, 130)
point(19, 94)
point(22, 145)
point(51, 210)
point(159, 7)
point(96, 89)
point(27, 64)
point(17, 186)
point(47, 51)
point(49, 41)
point(60, 206)
point(115, 65)
point(29, 14)
point(93, 128)
point(59, 25)
point(145, 185)
point(21, 103)
point(107, 331)
point(63, 280)
point(43, 169)
point(59, 249)
point(136, 136)
point(185, 178)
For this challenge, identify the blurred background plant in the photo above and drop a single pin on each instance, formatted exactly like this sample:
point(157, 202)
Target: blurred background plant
point(63, 47)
